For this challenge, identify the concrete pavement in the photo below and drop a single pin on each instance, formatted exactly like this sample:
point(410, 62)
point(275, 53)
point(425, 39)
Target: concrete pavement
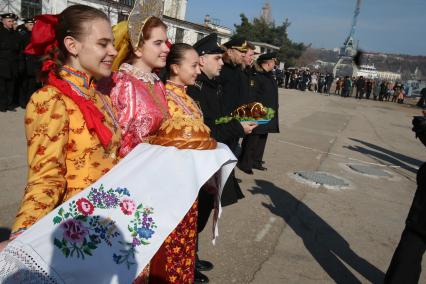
point(285, 231)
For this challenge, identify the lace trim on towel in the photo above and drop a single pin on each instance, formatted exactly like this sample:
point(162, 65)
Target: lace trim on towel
point(19, 264)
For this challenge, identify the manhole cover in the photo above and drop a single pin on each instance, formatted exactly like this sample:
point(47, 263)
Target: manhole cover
point(322, 178)
point(369, 170)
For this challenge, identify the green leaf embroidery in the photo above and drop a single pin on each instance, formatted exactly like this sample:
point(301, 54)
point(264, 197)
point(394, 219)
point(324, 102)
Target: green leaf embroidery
point(57, 220)
point(66, 251)
point(87, 251)
point(57, 243)
point(91, 245)
point(61, 211)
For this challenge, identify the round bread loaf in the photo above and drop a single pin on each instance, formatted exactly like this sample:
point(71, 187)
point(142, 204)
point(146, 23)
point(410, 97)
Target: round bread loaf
point(184, 133)
point(255, 110)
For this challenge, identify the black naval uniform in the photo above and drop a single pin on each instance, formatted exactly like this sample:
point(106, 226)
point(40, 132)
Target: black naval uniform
point(406, 264)
point(266, 92)
point(9, 67)
point(208, 94)
point(30, 65)
point(249, 93)
point(232, 80)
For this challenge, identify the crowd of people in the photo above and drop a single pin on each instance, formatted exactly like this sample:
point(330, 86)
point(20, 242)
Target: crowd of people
point(304, 80)
point(347, 86)
point(18, 70)
point(370, 89)
point(99, 91)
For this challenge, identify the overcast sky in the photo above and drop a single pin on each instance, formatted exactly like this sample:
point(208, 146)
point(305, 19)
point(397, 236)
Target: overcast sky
point(396, 26)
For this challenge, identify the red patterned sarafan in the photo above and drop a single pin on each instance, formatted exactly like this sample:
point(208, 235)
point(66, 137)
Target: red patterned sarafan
point(174, 262)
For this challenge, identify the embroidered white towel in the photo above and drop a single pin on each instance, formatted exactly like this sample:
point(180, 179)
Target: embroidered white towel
point(109, 232)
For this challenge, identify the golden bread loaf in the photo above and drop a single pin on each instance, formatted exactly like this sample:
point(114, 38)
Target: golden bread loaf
point(255, 110)
point(184, 133)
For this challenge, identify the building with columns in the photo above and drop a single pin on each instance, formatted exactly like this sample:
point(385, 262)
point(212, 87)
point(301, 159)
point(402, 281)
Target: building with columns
point(179, 30)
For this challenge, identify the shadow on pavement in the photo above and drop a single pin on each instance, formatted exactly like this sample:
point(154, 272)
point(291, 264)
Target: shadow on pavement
point(394, 158)
point(326, 245)
point(4, 234)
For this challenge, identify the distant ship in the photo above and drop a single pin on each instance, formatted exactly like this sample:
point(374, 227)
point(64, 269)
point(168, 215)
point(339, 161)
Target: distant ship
point(367, 71)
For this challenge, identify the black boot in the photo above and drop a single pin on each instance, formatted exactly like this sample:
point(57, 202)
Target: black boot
point(247, 171)
point(200, 277)
point(260, 167)
point(203, 265)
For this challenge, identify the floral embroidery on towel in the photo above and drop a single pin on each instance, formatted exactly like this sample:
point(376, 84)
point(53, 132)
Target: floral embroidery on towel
point(83, 232)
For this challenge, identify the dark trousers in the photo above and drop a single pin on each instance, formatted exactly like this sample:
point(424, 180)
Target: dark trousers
point(253, 148)
point(7, 91)
point(359, 93)
point(261, 145)
point(206, 201)
point(205, 207)
point(406, 264)
point(368, 94)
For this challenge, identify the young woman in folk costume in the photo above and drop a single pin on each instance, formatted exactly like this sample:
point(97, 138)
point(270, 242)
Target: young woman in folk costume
point(140, 100)
point(138, 94)
point(184, 129)
point(72, 133)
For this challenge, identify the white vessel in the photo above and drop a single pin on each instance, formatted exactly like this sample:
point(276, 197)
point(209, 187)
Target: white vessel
point(367, 71)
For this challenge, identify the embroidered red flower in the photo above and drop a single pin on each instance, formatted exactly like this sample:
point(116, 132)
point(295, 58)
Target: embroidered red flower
point(95, 164)
point(41, 109)
point(56, 116)
point(70, 111)
point(40, 150)
point(74, 231)
point(85, 207)
point(71, 146)
point(72, 177)
point(127, 206)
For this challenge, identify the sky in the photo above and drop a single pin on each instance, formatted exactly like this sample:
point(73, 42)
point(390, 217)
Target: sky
point(393, 26)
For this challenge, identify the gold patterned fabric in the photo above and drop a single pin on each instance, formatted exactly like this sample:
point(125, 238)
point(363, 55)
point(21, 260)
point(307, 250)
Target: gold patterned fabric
point(141, 12)
point(64, 157)
point(185, 128)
